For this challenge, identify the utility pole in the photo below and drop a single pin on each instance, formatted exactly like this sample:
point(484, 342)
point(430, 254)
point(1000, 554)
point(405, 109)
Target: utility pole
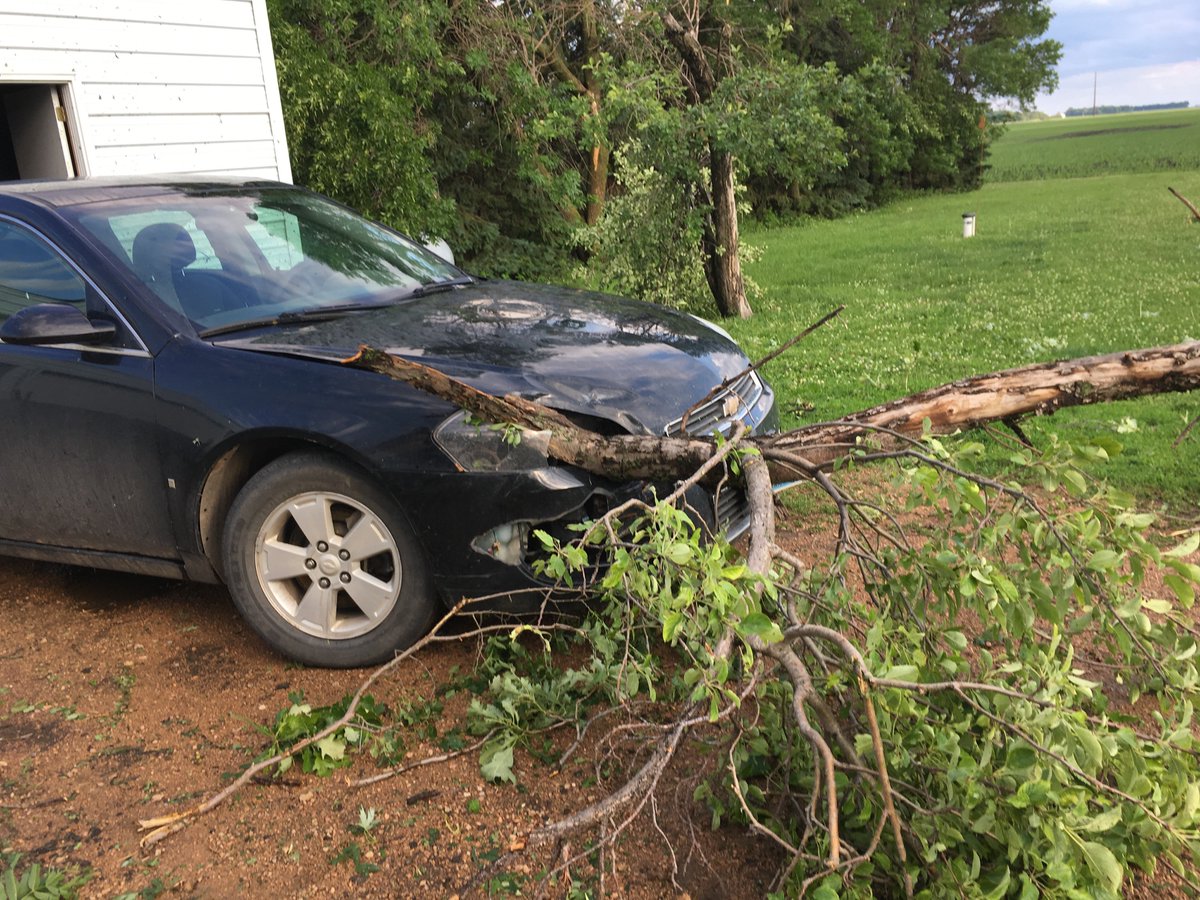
point(1094, 74)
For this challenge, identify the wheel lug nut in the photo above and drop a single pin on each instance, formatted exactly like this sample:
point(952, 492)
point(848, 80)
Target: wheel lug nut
point(310, 563)
point(324, 582)
point(322, 546)
point(344, 554)
point(345, 576)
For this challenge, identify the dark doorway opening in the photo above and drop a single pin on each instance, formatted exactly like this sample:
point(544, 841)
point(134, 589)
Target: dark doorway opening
point(34, 140)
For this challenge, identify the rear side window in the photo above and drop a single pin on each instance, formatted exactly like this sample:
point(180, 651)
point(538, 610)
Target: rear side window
point(126, 229)
point(277, 234)
point(32, 272)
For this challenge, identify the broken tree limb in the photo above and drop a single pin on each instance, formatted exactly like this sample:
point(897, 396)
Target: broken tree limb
point(622, 456)
point(1038, 389)
point(1186, 202)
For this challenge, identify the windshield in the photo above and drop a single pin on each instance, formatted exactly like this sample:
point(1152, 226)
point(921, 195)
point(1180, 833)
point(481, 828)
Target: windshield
point(246, 256)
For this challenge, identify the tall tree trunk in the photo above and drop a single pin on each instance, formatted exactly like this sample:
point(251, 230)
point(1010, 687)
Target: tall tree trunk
point(598, 168)
point(724, 267)
point(597, 180)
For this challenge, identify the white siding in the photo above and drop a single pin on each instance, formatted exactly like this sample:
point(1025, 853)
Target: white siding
point(155, 86)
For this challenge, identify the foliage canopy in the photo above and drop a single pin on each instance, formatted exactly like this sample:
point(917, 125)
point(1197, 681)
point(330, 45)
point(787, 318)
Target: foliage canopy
point(509, 128)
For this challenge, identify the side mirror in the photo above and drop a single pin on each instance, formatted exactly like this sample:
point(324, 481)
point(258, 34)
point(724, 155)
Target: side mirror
point(54, 323)
point(438, 247)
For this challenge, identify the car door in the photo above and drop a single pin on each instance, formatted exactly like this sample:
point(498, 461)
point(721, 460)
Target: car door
point(79, 460)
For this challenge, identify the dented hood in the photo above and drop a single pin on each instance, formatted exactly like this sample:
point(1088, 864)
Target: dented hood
point(637, 364)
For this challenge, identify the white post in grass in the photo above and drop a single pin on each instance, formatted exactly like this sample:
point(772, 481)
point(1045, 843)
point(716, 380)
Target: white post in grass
point(968, 224)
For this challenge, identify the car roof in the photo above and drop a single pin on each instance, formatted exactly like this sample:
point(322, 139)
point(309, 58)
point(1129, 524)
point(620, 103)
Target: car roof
point(76, 191)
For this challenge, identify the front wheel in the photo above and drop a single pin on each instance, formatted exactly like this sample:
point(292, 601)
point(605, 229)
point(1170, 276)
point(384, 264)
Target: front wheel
point(322, 564)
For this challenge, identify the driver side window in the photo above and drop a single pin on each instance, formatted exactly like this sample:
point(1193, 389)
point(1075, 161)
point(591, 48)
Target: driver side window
point(32, 272)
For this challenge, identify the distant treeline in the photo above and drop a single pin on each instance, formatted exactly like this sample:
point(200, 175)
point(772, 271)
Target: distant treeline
point(1106, 110)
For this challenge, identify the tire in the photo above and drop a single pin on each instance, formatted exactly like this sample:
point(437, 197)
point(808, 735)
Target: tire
point(322, 564)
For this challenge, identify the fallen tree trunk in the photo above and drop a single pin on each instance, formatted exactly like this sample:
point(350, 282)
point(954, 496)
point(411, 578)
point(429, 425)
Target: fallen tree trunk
point(847, 701)
point(1038, 389)
point(619, 457)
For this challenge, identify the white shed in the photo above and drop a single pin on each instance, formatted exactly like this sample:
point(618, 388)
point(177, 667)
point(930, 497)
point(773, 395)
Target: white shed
point(138, 87)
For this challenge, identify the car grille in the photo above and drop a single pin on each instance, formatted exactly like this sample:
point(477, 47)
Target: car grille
point(731, 507)
point(719, 413)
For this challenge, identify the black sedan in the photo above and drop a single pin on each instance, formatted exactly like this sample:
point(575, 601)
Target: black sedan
point(173, 405)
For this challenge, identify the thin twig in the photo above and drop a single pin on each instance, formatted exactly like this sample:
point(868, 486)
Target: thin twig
point(162, 827)
point(427, 761)
point(758, 364)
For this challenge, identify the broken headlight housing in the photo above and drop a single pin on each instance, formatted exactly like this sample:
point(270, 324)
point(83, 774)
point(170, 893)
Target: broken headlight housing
point(476, 446)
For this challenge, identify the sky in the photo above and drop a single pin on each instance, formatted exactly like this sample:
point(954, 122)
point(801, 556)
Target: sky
point(1140, 51)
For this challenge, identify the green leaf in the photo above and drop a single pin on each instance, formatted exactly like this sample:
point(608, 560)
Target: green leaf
point(1075, 480)
point(1136, 520)
point(902, 673)
point(956, 639)
point(1183, 590)
point(1104, 821)
point(1101, 861)
point(1103, 560)
point(1190, 571)
point(1090, 748)
point(1158, 606)
point(1187, 548)
point(760, 625)
point(679, 553)
point(1191, 803)
point(672, 622)
point(497, 764)
point(332, 747)
point(631, 682)
point(1020, 758)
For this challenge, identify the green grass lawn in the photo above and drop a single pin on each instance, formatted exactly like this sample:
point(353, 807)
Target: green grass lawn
point(1059, 268)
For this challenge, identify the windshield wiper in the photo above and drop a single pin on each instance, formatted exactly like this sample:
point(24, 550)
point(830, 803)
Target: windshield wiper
point(319, 314)
point(436, 287)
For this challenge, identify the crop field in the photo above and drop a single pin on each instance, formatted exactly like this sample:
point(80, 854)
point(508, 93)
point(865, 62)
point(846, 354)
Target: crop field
point(1103, 145)
point(1060, 267)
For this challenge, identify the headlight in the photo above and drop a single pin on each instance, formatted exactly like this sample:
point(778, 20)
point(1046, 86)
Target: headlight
point(478, 447)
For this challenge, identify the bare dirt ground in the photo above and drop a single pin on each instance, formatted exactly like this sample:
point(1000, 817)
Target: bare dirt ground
point(124, 698)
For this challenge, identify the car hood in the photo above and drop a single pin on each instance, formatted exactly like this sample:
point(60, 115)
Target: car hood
point(634, 363)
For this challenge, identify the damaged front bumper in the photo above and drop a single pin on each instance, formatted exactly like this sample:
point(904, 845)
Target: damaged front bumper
point(512, 491)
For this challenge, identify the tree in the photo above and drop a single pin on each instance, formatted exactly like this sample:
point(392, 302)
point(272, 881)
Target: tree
point(917, 713)
point(874, 744)
point(357, 78)
point(496, 124)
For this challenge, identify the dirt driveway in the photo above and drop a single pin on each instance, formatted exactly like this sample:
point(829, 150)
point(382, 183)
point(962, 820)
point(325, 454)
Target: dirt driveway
point(123, 698)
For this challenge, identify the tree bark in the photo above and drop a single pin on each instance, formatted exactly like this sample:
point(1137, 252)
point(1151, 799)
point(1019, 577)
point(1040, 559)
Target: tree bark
point(1039, 389)
point(622, 457)
point(722, 264)
point(1186, 202)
